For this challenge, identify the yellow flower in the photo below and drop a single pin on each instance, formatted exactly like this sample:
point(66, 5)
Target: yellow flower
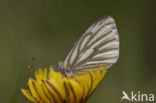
point(53, 87)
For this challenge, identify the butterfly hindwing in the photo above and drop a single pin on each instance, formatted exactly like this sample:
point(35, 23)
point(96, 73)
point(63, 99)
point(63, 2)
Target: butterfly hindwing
point(98, 46)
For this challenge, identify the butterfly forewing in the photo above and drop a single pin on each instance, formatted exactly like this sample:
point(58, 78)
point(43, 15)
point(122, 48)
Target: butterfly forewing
point(98, 46)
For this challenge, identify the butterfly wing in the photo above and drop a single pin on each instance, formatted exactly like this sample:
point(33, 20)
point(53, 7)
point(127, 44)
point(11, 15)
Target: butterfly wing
point(98, 46)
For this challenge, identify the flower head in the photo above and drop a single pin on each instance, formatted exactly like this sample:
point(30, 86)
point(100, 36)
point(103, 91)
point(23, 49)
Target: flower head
point(53, 87)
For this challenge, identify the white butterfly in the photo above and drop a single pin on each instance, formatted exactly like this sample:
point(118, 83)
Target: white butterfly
point(98, 46)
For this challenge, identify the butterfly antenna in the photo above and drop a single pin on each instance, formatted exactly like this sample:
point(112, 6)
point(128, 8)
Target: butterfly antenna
point(36, 65)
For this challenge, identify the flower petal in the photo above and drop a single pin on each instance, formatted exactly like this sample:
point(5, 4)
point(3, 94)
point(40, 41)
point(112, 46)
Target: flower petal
point(28, 95)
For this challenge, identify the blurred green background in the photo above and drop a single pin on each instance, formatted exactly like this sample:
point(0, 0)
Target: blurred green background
point(47, 29)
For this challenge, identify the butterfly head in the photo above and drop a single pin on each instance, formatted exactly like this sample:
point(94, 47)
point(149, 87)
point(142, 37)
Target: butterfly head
point(65, 71)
